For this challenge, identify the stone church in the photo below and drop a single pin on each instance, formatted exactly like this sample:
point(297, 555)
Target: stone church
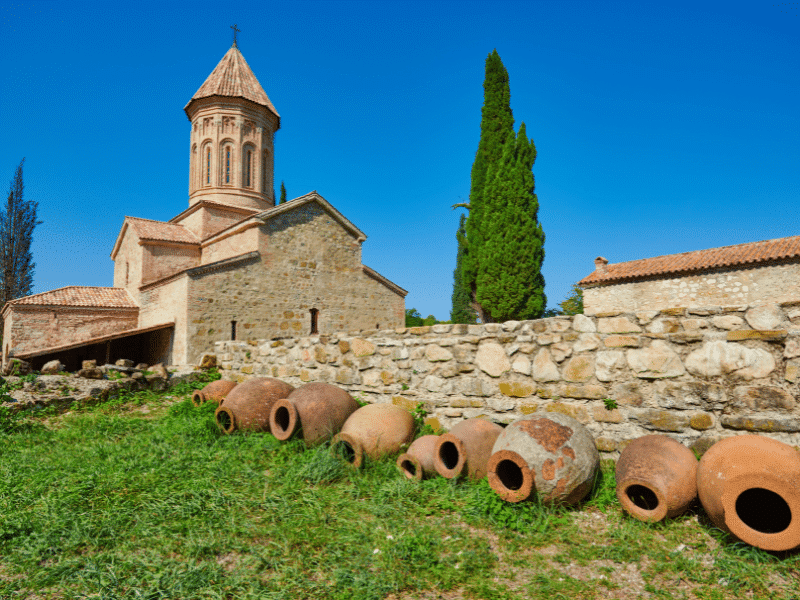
point(233, 265)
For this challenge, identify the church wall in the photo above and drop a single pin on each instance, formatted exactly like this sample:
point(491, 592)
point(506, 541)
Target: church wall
point(210, 220)
point(308, 260)
point(128, 264)
point(162, 304)
point(31, 329)
point(162, 261)
point(763, 284)
point(237, 244)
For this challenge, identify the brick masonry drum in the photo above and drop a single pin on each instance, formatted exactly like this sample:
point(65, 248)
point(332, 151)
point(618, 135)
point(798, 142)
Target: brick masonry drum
point(375, 430)
point(749, 485)
point(656, 478)
point(465, 449)
point(417, 461)
point(248, 405)
point(554, 456)
point(316, 410)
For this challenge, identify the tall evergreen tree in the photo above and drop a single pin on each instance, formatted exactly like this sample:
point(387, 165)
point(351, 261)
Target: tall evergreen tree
point(504, 246)
point(17, 222)
point(283, 194)
point(462, 311)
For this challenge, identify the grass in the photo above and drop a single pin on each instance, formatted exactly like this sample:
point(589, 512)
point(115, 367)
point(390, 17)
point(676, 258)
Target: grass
point(143, 497)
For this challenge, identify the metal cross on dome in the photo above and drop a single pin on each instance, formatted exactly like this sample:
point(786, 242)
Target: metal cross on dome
point(235, 31)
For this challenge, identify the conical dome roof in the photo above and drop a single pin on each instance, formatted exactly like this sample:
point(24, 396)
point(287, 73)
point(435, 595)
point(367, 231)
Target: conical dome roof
point(233, 77)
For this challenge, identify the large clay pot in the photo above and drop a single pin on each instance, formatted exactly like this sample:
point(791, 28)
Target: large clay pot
point(466, 448)
point(374, 430)
point(316, 410)
point(417, 461)
point(213, 392)
point(247, 406)
point(656, 478)
point(749, 485)
point(554, 456)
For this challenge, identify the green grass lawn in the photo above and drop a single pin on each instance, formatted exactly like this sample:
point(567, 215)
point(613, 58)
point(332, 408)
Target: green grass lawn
point(142, 497)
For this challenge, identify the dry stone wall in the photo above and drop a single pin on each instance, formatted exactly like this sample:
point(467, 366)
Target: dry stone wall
point(696, 374)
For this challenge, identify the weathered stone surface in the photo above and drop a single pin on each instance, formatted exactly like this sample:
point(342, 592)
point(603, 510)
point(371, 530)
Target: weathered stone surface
point(561, 324)
point(792, 348)
point(586, 342)
point(577, 412)
point(690, 394)
point(677, 311)
point(404, 402)
point(701, 421)
point(718, 357)
point(655, 362)
point(728, 322)
point(763, 397)
point(433, 383)
point(88, 364)
point(492, 360)
point(761, 424)
point(511, 325)
point(685, 337)
point(560, 351)
point(771, 335)
point(620, 341)
point(589, 390)
point(693, 324)
point(545, 339)
point(501, 404)
point(362, 347)
point(765, 317)
point(602, 415)
point(605, 444)
point(436, 353)
point(579, 368)
point(441, 328)
point(792, 373)
point(124, 362)
point(664, 326)
point(91, 373)
point(544, 369)
point(521, 364)
point(662, 420)
point(627, 394)
point(704, 442)
point(516, 389)
point(52, 367)
point(583, 324)
point(465, 403)
point(645, 316)
point(159, 369)
point(426, 329)
point(608, 365)
point(617, 325)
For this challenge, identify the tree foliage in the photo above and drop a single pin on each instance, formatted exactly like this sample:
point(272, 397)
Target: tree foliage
point(462, 311)
point(573, 303)
point(17, 222)
point(413, 318)
point(504, 248)
point(283, 194)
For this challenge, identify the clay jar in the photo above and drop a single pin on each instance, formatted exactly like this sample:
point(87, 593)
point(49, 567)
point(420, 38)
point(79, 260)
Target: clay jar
point(749, 485)
point(316, 410)
point(248, 405)
point(466, 448)
point(213, 392)
point(417, 461)
point(375, 430)
point(656, 478)
point(554, 456)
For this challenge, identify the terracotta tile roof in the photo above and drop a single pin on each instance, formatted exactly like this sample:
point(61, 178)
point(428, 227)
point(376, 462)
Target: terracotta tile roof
point(162, 231)
point(233, 77)
point(698, 260)
point(77, 295)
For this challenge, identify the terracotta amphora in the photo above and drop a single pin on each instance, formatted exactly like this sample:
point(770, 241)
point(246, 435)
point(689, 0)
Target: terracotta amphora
point(466, 448)
point(247, 406)
point(656, 478)
point(417, 461)
point(213, 392)
point(749, 485)
point(316, 410)
point(374, 430)
point(554, 456)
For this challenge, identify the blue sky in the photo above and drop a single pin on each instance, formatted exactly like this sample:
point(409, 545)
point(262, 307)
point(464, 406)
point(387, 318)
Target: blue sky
point(661, 127)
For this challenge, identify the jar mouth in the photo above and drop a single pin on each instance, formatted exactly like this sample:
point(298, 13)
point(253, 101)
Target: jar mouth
point(641, 500)
point(510, 476)
point(283, 419)
point(450, 456)
point(763, 510)
point(346, 448)
point(225, 420)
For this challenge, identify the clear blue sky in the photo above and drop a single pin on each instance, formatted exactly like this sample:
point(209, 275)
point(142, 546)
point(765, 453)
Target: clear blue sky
point(660, 127)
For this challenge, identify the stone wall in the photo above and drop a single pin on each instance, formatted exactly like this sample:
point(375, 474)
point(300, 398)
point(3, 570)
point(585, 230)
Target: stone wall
point(694, 374)
point(756, 285)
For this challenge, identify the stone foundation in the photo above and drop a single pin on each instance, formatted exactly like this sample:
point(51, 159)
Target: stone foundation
point(695, 374)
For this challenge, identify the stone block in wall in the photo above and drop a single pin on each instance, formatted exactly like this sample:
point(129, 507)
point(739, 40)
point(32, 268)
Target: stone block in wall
point(465, 403)
point(763, 397)
point(571, 410)
point(471, 386)
point(516, 389)
point(435, 353)
point(609, 365)
point(620, 341)
point(677, 311)
point(603, 415)
point(492, 360)
point(583, 324)
point(771, 335)
point(617, 325)
point(704, 311)
point(528, 408)
point(560, 351)
point(701, 421)
point(694, 324)
point(761, 424)
point(589, 391)
point(586, 342)
point(718, 357)
point(765, 317)
point(686, 337)
point(792, 372)
point(661, 420)
point(728, 322)
point(521, 364)
point(360, 347)
point(560, 324)
point(792, 347)
point(543, 368)
point(690, 394)
point(664, 326)
point(502, 404)
point(645, 316)
point(605, 444)
point(655, 362)
point(545, 339)
point(404, 402)
point(579, 369)
point(432, 383)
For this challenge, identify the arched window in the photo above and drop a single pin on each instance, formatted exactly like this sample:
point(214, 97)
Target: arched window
point(248, 168)
point(193, 171)
point(227, 164)
point(207, 161)
point(314, 320)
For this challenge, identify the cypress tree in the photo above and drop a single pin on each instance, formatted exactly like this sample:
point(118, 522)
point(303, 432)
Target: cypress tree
point(462, 311)
point(283, 194)
point(497, 128)
point(509, 283)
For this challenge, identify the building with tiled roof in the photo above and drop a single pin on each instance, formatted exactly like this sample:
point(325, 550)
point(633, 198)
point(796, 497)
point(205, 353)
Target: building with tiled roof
point(744, 274)
point(233, 265)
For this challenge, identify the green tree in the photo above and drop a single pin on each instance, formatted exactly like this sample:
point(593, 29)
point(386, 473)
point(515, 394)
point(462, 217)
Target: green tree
point(504, 247)
point(429, 320)
point(573, 303)
point(413, 318)
point(462, 311)
point(17, 222)
point(283, 194)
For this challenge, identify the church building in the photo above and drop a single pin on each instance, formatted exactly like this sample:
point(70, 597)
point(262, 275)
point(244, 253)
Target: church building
point(233, 265)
